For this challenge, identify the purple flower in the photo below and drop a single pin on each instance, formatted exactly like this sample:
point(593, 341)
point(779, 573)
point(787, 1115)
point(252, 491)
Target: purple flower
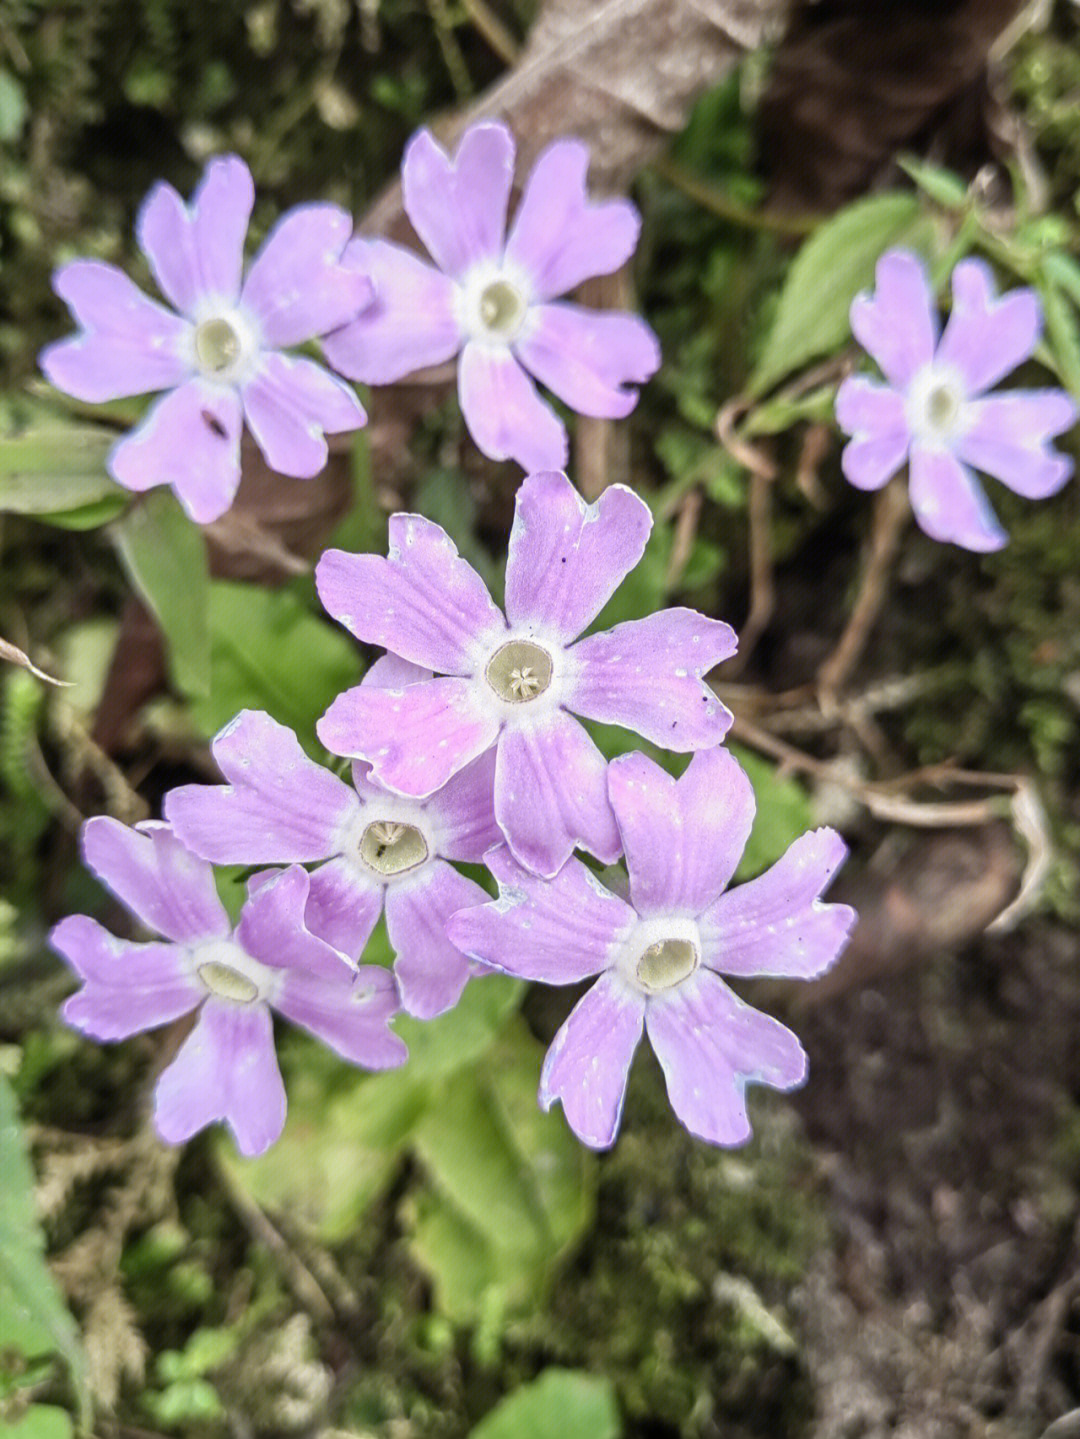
point(220, 358)
point(226, 1068)
point(381, 850)
point(658, 955)
point(934, 411)
point(490, 299)
point(515, 682)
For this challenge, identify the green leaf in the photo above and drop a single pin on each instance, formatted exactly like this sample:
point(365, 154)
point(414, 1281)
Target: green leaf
point(164, 554)
point(1060, 295)
point(33, 1317)
point(561, 1404)
point(828, 272)
point(783, 813)
point(346, 1130)
point(41, 1421)
point(269, 652)
point(945, 187)
point(511, 1188)
point(13, 108)
point(57, 471)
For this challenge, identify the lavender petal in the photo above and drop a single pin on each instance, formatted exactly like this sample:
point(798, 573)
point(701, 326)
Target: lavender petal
point(160, 881)
point(458, 206)
point(589, 1060)
point(897, 324)
point(297, 286)
point(506, 417)
point(949, 504)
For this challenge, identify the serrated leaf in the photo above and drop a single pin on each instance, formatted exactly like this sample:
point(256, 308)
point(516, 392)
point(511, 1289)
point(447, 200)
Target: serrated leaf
point(33, 1317)
point(57, 471)
point(164, 554)
point(561, 1404)
point(269, 651)
point(834, 264)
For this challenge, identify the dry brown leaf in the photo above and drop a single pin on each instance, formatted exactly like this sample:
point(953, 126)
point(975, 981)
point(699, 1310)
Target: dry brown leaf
point(16, 656)
point(619, 74)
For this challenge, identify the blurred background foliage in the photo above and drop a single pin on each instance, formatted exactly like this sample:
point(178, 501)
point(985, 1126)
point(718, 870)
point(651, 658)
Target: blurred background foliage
point(425, 1253)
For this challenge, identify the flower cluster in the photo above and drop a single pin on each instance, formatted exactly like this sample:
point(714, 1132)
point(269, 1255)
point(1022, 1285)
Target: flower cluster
point(380, 313)
point(465, 748)
point(468, 737)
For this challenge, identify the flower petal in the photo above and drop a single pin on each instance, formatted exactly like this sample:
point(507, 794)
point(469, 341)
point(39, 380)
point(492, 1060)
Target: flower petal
point(567, 558)
point(160, 881)
point(647, 675)
point(558, 237)
point(343, 907)
point(871, 463)
point(589, 357)
point(129, 987)
point(551, 794)
point(897, 324)
point(350, 1014)
point(506, 417)
point(589, 1060)
point(984, 337)
point(431, 971)
point(390, 672)
point(423, 601)
point(710, 1046)
point(558, 931)
point(463, 811)
point(409, 325)
point(290, 403)
point(190, 440)
point(458, 206)
point(297, 286)
point(414, 739)
point(949, 503)
point(277, 807)
point(1007, 438)
point(683, 838)
point(273, 930)
point(226, 1069)
point(198, 252)
point(129, 344)
point(777, 924)
point(867, 407)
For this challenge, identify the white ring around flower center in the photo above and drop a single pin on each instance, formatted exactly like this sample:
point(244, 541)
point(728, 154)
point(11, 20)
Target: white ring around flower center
point(223, 346)
point(519, 671)
point(493, 304)
point(660, 953)
point(937, 404)
point(228, 972)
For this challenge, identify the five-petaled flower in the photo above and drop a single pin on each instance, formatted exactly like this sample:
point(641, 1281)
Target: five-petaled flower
point(220, 357)
point(934, 410)
point(226, 1068)
point(516, 681)
point(659, 956)
point(493, 299)
point(381, 850)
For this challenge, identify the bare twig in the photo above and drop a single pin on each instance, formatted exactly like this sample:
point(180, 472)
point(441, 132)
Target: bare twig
point(686, 523)
point(891, 514)
point(493, 30)
point(762, 589)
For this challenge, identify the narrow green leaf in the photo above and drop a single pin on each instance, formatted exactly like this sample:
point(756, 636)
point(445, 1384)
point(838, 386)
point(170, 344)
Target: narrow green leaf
point(561, 1404)
point(33, 1317)
point(828, 272)
point(1062, 333)
point(945, 187)
point(58, 470)
point(164, 555)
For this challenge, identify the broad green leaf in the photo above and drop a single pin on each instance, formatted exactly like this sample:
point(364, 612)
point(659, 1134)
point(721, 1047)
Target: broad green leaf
point(164, 554)
point(511, 1188)
point(41, 1421)
point(783, 813)
point(270, 652)
point(60, 470)
point(33, 1317)
point(13, 108)
point(561, 1404)
point(346, 1130)
point(828, 272)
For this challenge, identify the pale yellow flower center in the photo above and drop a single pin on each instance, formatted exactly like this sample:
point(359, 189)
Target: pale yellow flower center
point(519, 671)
